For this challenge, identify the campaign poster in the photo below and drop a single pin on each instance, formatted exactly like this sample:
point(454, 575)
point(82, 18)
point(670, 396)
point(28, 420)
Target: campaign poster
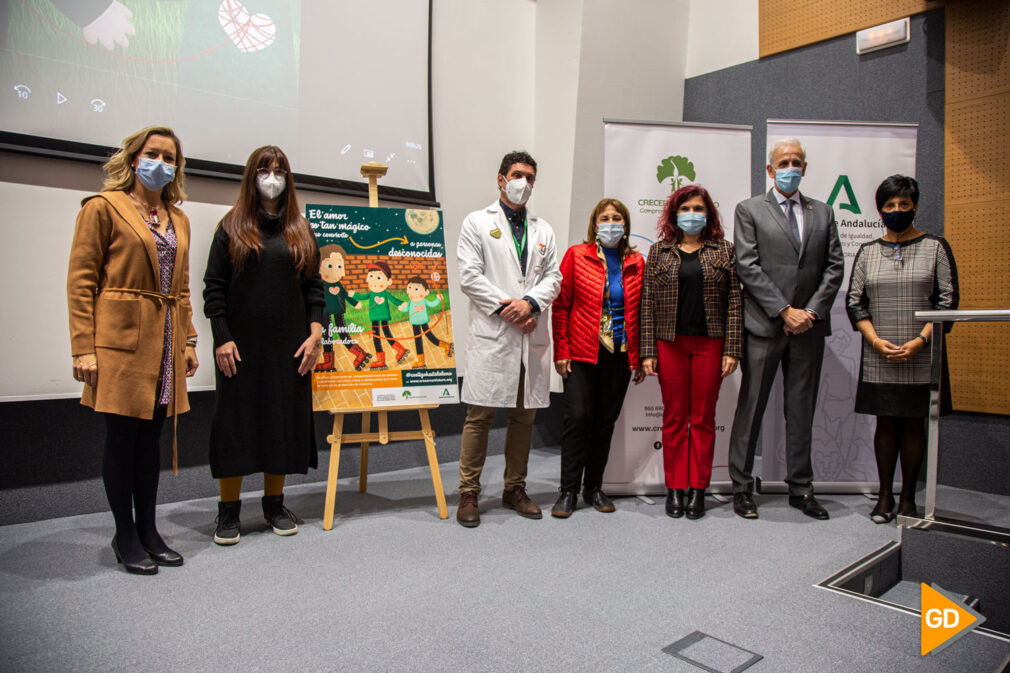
point(387, 326)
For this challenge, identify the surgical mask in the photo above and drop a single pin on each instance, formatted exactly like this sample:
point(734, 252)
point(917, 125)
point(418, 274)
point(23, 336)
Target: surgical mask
point(610, 233)
point(154, 173)
point(691, 223)
point(270, 185)
point(898, 220)
point(518, 191)
point(788, 179)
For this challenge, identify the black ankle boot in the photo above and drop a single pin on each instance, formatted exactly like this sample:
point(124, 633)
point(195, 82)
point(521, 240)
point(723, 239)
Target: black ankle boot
point(280, 518)
point(695, 503)
point(227, 532)
point(675, 502)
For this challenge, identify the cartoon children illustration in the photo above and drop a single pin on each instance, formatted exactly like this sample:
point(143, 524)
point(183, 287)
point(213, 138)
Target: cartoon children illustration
point(416, 306)
point(378, 279)
point(331, 268)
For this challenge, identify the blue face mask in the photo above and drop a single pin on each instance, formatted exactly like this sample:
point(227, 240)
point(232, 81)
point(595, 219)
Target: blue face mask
point(788, 179)
point(154, 173)
point(691, 223)
point(610, 233)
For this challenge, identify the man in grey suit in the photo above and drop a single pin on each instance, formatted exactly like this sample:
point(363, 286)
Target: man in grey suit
point(790, 263)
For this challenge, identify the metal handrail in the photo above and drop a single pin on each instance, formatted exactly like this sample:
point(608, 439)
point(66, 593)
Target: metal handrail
point(938, 318)
point(989, 315)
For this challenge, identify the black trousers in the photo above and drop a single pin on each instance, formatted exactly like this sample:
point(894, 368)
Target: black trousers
point(594, 395)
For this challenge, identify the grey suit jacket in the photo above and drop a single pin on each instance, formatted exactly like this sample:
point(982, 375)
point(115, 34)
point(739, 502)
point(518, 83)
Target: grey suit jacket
point(775, 271)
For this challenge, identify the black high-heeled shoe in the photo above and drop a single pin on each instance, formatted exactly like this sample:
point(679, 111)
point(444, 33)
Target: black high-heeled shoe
point(169, 557)
point(143, 567)
point(884, 510)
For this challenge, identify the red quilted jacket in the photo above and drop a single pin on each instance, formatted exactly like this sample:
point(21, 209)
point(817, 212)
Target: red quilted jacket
point(577, 310)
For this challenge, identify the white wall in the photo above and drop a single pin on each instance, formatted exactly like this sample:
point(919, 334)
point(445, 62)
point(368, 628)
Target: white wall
point(482, 108)
point(632, 65)
point(558, 59)
point(721, 33)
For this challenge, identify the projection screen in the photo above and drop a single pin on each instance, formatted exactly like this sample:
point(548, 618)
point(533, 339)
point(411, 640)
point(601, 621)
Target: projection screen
point(335, 83)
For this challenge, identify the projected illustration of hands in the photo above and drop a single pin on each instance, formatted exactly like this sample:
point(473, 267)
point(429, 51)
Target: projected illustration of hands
point(111, 28)
point(248, 33)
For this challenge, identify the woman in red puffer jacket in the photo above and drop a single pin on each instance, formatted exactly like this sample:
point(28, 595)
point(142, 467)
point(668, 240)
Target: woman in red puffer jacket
point(595, 321)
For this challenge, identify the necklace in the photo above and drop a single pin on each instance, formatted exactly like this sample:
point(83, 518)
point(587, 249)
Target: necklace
point(153, 222)
point(895, 246)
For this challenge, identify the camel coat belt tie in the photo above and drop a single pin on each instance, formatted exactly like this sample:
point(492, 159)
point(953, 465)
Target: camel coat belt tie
point(172, 300)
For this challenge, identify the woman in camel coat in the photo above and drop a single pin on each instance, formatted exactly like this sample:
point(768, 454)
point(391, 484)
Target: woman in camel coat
point(131, 330)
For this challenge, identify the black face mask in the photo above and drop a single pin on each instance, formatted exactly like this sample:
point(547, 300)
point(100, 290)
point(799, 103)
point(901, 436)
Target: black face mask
point(898, 220)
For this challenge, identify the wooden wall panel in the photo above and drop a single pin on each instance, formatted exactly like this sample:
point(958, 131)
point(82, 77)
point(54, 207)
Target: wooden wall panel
point(977, 150)
point(788, 24)
point(977, 200)
point(978, 49)
point(977, 234)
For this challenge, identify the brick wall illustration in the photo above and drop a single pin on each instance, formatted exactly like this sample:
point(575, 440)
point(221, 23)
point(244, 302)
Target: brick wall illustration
point(402, 268)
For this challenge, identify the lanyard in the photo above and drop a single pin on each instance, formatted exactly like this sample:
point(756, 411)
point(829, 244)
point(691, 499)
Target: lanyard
point(520, 246)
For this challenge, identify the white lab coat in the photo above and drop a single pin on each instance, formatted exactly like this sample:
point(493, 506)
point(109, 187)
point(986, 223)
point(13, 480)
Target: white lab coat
point(489, 271)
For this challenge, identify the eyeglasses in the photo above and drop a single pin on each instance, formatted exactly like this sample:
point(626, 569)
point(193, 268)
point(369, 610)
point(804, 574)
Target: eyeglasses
point(279, 172)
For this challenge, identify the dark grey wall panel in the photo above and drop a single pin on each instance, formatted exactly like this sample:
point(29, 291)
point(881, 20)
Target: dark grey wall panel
point(829, 81)
point(975, 452)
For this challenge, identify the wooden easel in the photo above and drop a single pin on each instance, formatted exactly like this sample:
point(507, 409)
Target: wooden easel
point(373, 172)
point(382, 436)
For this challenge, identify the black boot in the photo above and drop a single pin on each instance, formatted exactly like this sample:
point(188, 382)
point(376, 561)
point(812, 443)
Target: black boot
point(227, 522)
point(675, 502)
point(695, 503)
point(280, 518)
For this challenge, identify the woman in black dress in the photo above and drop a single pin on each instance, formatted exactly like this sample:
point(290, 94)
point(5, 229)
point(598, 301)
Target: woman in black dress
point(904, 271)
point(264, 299)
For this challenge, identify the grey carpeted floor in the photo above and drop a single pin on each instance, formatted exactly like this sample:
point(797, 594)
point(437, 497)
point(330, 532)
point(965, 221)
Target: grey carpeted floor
point(394, 588)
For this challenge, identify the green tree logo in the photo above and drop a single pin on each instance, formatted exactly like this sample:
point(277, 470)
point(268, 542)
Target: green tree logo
point(406, 394)
point(679, 169)
point(851, 204)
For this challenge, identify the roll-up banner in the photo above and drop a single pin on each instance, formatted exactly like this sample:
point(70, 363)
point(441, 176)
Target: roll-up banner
point(846, 161)
point(644, 162)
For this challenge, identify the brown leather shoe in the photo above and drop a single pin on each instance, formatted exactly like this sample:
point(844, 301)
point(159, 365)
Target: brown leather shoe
point(467, 512)
point(516, 498)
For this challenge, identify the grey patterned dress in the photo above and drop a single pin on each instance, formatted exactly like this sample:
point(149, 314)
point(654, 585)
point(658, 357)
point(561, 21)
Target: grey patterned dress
point(889, 282)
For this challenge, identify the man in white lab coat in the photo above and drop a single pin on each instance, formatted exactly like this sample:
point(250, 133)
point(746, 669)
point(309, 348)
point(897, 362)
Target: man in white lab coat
point(508, 267)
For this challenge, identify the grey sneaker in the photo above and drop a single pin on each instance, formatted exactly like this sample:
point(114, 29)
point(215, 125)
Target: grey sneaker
point(280, 518)
point(227, 523)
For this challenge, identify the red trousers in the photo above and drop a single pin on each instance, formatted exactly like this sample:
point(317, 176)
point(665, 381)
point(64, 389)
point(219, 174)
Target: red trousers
point(689, 380)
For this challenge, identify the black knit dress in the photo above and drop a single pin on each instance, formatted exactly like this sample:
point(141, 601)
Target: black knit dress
point(263, 414)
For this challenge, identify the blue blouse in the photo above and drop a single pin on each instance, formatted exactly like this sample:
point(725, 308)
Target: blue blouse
point(616, 285)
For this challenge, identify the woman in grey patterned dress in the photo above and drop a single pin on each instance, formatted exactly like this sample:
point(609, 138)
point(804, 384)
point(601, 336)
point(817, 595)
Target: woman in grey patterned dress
point(904, 271)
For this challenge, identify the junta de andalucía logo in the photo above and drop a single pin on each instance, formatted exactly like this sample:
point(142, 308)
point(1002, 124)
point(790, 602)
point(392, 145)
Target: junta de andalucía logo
point(851, 204)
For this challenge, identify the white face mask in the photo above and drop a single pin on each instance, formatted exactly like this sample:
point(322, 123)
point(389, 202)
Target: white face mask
point(270, 186)
point(518, 191)
point(610, 233)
